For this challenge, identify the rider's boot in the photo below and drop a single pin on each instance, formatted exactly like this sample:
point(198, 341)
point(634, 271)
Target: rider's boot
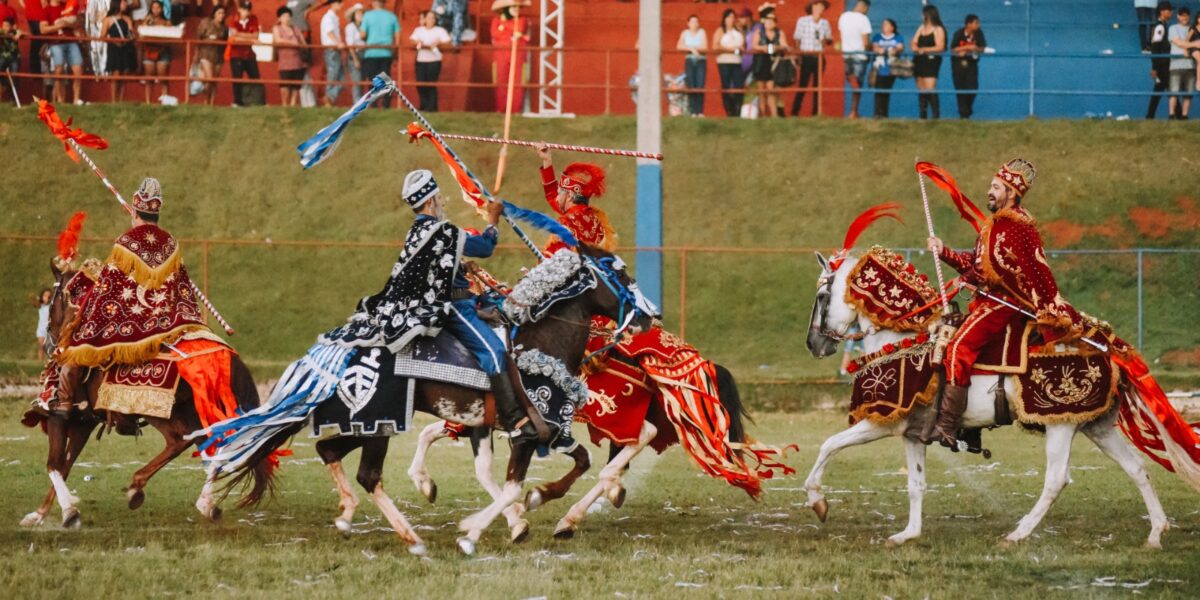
point(950, 411)
point(509, 412)
point(68, 381)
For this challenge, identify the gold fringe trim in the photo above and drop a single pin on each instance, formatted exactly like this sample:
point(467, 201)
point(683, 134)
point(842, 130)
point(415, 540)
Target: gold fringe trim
point(1018, 404)
point(144, 275)
point(127, 353)
point(145, 401)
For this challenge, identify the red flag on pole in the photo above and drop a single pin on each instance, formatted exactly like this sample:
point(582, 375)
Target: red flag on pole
point(967, 209)
point(64, 132)
point(471, 191)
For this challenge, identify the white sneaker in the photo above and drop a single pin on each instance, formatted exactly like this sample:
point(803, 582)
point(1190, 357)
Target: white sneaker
point(79, 102)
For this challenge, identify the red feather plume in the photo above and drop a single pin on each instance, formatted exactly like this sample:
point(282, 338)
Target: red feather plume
point(589, 176)
point(68, 240)
point(869, 216)
point(967, 209)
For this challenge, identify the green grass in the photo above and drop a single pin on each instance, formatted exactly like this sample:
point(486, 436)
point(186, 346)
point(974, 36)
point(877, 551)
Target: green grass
point(677, 527)
point(233, 175)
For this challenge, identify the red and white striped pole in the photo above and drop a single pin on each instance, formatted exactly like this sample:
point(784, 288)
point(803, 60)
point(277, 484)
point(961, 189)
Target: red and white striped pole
point(566, 147)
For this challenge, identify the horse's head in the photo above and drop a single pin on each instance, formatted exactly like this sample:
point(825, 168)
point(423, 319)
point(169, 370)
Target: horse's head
point(70, 284)
point(619, 298)
point(831, 316)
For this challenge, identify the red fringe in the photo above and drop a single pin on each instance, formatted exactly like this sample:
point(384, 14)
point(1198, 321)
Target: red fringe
point(1136, 423)
point(967, 209)
point(68, 240)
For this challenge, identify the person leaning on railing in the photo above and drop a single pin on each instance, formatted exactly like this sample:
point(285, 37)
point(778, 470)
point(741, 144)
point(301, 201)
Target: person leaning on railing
point(10, 50)
point(60, 21)
point(120, 57)
point(812, 35)
point(928, 44)
point(243, 32)
point(156, 58)
point(211, 55)
point(694, 40)
point(769, 44)
point(354, 49)
point(333, 48)
point(288, 40)
point(728, 39)
point(888, 45)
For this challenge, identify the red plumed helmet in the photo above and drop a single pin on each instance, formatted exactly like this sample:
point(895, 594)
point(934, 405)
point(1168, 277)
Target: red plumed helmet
point(584, 179)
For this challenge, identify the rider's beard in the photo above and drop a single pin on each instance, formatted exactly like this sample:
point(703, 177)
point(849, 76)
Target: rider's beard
point(992, 202)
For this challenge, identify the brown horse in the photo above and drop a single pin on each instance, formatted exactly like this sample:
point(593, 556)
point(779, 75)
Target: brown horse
point(561, 333)
point(68, 435)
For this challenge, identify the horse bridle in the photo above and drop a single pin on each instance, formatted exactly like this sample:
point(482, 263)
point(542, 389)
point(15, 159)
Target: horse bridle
point(825, 285)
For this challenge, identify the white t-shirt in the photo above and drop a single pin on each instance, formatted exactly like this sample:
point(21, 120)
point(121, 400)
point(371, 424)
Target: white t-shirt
point(354, 38)
point(853, 25)
point(331, 34)
point(429, 36)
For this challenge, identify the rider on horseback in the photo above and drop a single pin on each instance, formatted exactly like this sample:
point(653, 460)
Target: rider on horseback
point(428, 291)
point(141, 301)
point(1008, 262)
point(570, 196)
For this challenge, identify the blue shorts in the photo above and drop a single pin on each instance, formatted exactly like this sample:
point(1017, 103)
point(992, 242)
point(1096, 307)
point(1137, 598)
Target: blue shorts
point(68, 54)
point(856, 66)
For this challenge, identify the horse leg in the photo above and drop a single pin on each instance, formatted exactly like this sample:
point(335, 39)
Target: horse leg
point(861, 433)
point(175, 446)
point(1058, 458)
point(57, 430)
point(518, 466)
point(914, 452)
point(77, 434)
point(332, 451)
point(1109, 441)
point(417, 471)
point(557, 489)
point(482, 446)
point(608, 479)
point(370, 476)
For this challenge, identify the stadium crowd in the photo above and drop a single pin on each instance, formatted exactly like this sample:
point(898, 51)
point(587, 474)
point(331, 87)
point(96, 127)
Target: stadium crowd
point(756, 57)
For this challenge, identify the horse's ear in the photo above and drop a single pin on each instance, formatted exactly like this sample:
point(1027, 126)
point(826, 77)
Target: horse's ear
point(822, 261)
point(54, 268)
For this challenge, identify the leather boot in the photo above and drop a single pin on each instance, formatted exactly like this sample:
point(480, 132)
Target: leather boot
point(951, 407)
point(68, 382)
point(509, 412)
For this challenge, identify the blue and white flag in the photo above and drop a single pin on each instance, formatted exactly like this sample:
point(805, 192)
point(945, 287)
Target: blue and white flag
point(320, 146)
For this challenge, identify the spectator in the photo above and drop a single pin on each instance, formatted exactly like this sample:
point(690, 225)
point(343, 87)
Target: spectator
point(178, 11)
point(333, 46)
point(121, 55)
point(888, 45)
point(243, 33)
point(1183, 70)
point(43, 303)
point(509, 28)
point(769, 45)
point(60, 21)
point(10, 50)
point(966, 46)
point(729, 40)
point(428, 38)
point(1194, 47)
point(7, 11)
point(452, 15)
point(1160, 63)
point(812, 35)
point(380, 29)
point(288, 41)
point(855, 29)
point(301, 10)
point(928, 44)
point(354, 49)
point(1145, 19)
point(694, 41)
point(156, 58)
point(211, 56)
point(749, 29)
point(35, 13)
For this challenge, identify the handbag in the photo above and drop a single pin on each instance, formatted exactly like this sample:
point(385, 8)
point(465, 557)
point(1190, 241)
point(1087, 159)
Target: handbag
point(783, 71)
point(902, 68)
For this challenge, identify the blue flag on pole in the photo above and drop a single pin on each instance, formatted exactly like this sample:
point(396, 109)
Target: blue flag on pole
point(320, 146)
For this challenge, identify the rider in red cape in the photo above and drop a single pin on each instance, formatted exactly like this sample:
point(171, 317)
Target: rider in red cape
point(140, 300)
point(571, 198)
point(1009, 262)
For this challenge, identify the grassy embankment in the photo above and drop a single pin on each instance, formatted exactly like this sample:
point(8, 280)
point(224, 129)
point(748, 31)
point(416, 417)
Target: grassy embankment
point(751, 186)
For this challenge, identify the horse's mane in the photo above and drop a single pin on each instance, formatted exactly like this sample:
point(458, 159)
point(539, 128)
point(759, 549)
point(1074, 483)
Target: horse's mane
point(541, 281)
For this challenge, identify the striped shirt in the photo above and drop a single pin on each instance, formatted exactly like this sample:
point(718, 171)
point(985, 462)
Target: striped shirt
point(811, 34)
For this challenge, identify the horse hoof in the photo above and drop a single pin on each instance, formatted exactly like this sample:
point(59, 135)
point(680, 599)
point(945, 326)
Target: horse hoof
point(1008, 542)
point(821, 507)
point(215, 514)
point(417, 549)
point(342, 525)
point(430, 492)
point(71, 519)
point(32, 519)
point(533, 499)
point(564, 532)
point(136, 498)
point(896, 541)
point(1154, 544)
point(520, 531)
point(616, 496)
point(466, 546)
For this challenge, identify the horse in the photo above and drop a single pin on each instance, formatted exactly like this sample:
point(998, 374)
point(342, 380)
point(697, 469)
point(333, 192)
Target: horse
point(609, 479)
point(561, 332)
point(67, 435)
point(832, 316)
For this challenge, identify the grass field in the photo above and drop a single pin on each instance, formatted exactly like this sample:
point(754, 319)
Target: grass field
point(233, 175)
point(679, 532)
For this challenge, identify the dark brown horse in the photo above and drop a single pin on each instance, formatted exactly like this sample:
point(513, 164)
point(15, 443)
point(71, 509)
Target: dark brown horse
point(68, 435)
point(561, 333)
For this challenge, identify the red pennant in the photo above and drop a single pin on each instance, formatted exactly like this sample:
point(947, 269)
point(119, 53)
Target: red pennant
point(63, 131)
point(473, 193)
point(967, 209)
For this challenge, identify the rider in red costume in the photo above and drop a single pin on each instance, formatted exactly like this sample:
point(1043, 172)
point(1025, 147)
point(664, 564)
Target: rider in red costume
point(571, 198)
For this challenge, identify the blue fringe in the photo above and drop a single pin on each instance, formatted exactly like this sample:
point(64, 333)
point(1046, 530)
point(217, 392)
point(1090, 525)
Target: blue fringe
point(540, 221)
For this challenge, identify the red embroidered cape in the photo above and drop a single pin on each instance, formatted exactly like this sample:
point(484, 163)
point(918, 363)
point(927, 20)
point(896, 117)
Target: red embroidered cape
point(1009, 260)
point(589, 224)
point(141, 299)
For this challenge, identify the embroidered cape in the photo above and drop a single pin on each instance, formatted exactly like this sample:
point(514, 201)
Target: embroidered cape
point(141, 299)
point(1009, 260)
point(415, 299)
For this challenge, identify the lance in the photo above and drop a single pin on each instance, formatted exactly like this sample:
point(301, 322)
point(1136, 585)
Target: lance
point(129, 209)
point(566, 147)
point(937, 261)
point(976, 289)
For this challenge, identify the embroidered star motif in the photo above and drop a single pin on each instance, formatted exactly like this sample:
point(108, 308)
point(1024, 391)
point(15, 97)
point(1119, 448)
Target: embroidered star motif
point(895, 291)
point(151, 238)
point(127, 294)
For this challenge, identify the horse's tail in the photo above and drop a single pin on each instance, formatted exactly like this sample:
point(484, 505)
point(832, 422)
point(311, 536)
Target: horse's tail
point(1152, 425)
point(731, 400)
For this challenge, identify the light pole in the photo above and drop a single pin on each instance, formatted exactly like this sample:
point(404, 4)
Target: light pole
point(649, 139)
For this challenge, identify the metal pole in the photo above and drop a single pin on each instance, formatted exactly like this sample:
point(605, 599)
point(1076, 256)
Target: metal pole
point(1139, 299)
point(649, 139)
point(683, 255)
point(1029, 49)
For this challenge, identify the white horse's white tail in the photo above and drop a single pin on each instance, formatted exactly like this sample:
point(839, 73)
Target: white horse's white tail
point(1152, 425)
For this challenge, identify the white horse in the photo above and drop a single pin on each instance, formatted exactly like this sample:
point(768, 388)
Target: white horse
point(832, 317)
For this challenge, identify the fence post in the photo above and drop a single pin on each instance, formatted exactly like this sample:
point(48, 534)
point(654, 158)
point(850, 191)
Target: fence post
point(608, 81)
point(1140, 256)
point(1032, 62)
point(683, 293)
point(187, 70)
point(204, 264)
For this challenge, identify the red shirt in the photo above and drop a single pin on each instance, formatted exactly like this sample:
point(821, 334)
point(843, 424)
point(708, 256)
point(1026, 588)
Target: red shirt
point(6, 11)
point(50, 14)
point(33, 11)
point(250, 25)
